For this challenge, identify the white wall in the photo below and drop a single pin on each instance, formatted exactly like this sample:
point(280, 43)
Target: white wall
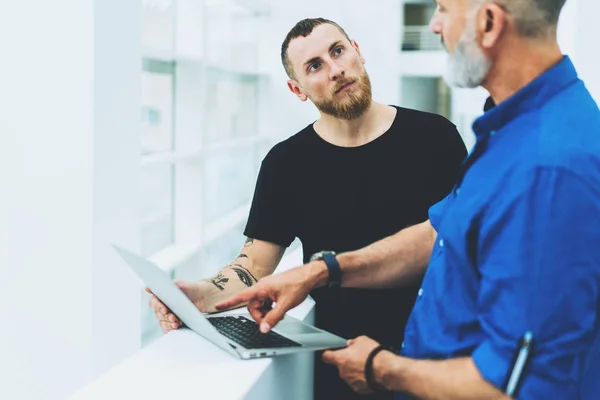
point(116, 200)
point(578, 33)
point(68, 172)
point(587, 50)
point(467, 105)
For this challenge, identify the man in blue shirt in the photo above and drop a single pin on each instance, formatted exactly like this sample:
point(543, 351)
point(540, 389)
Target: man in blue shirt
point(511, 255)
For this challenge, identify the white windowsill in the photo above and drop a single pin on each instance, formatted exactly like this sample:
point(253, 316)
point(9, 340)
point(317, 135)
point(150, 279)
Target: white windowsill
point(183, 364)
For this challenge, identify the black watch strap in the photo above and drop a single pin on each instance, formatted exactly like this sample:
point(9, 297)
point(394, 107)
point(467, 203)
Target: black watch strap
point(335, 272)
point(369, 373)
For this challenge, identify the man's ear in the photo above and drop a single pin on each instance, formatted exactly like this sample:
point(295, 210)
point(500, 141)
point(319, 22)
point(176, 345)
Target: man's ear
point(357, 47)
point(492, 22)
point(296, 89)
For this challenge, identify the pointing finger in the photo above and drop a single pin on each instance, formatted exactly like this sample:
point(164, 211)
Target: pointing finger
point(242, 297)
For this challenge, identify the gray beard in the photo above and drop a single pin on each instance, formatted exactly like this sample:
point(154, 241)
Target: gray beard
point(467, 66)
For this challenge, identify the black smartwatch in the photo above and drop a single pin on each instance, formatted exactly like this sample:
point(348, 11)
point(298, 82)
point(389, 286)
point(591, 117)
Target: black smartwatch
point(335, 272)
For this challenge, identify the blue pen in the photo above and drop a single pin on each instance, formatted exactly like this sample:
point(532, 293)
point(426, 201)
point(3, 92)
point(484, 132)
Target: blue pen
point(516, 374)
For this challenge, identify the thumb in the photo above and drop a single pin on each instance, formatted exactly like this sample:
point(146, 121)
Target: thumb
point(186, 287)
point(272, 317)
point(183, 285)
point(329, 357)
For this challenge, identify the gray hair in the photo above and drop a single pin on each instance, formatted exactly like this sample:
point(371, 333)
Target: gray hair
point(532, 18)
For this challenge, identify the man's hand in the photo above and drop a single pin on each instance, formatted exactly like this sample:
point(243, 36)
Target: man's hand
point(287, 290)
point(197, 292)
point(351, 362)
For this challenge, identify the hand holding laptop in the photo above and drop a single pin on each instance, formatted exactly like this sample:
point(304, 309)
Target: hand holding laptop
point(168, 321)
point(287, 289)
point(203, 294)
point(236, 334)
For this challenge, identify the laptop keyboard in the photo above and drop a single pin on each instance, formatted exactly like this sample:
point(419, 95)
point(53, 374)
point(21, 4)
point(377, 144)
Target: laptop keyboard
point(246, 332)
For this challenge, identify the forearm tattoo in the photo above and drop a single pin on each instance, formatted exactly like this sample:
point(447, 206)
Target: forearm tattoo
point(249, 242)
point(245, 275)
point(219, 281)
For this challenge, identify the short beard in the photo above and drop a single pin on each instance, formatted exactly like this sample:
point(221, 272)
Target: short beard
point(357, 101)
point(468, 66)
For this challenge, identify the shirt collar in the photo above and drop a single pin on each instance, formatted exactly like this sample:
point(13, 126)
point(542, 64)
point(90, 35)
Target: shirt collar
point(489, 104)
point(530, 97)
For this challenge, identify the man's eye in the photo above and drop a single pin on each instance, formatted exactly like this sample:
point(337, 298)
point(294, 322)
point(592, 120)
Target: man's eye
point(314, 67)
point(338, 51)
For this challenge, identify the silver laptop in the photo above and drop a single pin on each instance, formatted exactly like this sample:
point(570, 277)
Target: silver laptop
point(237, 334)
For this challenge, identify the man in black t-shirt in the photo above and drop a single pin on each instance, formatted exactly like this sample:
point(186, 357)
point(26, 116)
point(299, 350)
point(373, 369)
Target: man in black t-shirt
point(361, 172)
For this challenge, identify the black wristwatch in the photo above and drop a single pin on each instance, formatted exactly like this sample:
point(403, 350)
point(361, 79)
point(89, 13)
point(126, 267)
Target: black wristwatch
point(335, 272)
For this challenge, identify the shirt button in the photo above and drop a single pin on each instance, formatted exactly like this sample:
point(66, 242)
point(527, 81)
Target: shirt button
point(441, 242)
point(457, 191)
point(420, 292)
point(402, 344)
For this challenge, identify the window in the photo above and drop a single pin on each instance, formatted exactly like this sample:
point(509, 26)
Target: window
point(416, 33)
point(201, 144)
point(157, 138)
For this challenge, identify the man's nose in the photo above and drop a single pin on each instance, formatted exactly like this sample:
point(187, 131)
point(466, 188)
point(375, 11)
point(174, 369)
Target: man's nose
point(436, 23)
point(335, 71)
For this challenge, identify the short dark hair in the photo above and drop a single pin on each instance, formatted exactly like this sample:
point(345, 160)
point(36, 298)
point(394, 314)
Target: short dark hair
point(303, 28)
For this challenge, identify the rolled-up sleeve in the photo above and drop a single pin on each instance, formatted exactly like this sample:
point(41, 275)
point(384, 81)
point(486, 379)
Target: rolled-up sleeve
point(539, 270)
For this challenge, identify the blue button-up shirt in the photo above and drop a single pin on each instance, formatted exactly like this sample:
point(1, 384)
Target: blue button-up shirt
point(518, 246)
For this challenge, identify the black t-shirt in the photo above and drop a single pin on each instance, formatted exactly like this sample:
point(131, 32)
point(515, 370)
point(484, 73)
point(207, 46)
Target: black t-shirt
point(344, 198)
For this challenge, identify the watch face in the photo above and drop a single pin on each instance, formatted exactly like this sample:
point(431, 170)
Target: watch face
point(316, 256)
point(319, 255)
